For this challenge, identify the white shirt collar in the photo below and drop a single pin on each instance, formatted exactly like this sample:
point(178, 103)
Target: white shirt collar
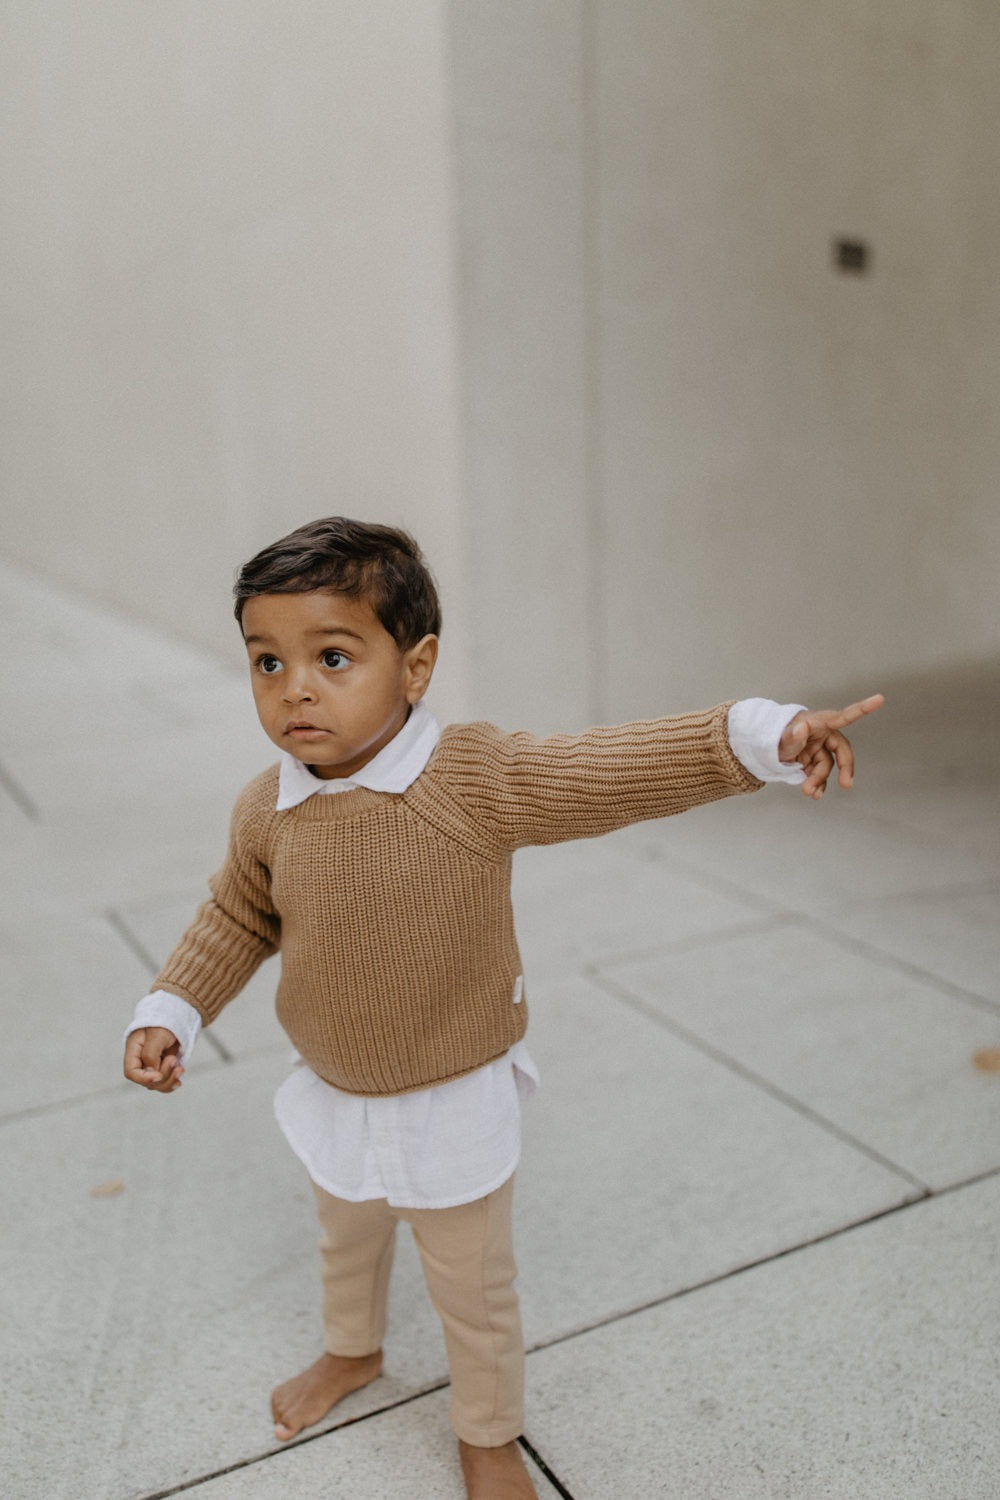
point(393, 769)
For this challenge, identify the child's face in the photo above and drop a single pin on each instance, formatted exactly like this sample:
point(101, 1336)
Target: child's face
point(330, 684)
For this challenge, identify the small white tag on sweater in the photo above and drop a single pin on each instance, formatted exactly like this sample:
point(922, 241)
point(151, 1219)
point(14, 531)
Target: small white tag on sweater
point(518, 989)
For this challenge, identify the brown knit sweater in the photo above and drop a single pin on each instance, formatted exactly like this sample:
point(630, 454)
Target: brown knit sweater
point(393, 912)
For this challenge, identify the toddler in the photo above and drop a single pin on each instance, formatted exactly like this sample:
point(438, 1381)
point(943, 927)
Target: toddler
point(377, 856)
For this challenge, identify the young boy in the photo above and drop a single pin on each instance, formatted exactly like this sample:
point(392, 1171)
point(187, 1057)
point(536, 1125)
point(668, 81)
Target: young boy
point(401, 982)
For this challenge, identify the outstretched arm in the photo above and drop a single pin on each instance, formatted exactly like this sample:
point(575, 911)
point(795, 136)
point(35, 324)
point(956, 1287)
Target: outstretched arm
point(814, 739)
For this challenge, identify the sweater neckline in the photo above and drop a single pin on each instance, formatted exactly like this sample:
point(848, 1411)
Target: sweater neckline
point(355, 803)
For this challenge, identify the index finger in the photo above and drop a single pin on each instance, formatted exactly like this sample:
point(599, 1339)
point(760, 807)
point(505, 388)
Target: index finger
point(856, 711)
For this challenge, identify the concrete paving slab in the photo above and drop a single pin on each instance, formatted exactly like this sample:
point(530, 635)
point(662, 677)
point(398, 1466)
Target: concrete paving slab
point(199, 1278)
point(959, 808)
point(151, 1291)
point(104, 854)
point(594, 899)
point(858, 1367)
point(27, 891)
point(802, 857)
point(649, 1167)
point(954, 935)
point(150, 704)
point(63, 987)
point(64, 630)
point(885, 1056)
point(79, 843)
point(137, 760)
point(157, 1277)
point(409, 1451)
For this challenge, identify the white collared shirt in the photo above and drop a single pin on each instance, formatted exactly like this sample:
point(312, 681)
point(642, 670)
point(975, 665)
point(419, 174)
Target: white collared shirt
point(394, 769)
point(457, 1141)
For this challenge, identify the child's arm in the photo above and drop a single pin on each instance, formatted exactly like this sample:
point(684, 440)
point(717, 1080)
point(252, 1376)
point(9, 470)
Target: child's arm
point(232, 933)
point(152, 1059)
point(236, 929)
point(813, 739)
point(519, 789)
point(522, 789)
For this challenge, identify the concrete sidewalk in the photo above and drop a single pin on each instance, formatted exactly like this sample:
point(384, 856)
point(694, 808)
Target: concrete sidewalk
point(759, 1207)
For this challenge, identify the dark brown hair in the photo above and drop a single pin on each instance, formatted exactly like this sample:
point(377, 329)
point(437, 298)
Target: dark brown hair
point(377, 563)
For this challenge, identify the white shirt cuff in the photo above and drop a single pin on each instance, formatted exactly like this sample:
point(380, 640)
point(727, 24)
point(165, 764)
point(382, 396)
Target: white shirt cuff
point(163, 1009)
point(755, 729)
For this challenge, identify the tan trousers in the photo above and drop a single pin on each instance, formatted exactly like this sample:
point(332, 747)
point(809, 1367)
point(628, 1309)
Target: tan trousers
point(468, 1260)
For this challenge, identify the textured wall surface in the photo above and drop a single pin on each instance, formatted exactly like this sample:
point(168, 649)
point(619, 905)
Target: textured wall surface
point(553, 285)
point(739, 468)
point(230, 281)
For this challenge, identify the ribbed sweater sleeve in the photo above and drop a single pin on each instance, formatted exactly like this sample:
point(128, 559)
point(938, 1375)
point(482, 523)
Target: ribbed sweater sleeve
point(524, 789)
point(237, 928)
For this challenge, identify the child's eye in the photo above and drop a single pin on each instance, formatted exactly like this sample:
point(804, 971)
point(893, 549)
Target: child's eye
point(334, 659)
point(268, 665)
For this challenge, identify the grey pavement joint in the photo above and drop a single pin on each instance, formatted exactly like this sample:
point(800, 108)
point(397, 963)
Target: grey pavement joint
point(757, 1213)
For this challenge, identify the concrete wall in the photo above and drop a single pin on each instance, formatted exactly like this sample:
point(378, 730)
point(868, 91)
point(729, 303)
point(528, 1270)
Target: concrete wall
point(229, 276)
point(720, 464)
point(550, 283)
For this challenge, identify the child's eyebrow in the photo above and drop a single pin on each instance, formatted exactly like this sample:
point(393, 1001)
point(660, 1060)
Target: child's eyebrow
point(324, 630)
point(337, 630)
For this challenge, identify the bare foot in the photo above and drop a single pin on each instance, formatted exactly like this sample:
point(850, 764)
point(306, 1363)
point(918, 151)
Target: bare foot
point(307, 1398)
point(495, 1473)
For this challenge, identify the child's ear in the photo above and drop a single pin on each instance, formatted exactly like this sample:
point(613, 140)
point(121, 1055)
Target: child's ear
point(419, 664)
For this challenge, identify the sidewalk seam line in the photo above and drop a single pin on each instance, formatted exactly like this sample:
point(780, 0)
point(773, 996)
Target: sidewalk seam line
point(565, 1338)
point(540, 1463)
point(765, 1260)
point(142, 953)
point(19, 796)
point(871, 951)
point(298, 1442)
point(826, 925)
point(726, 1060)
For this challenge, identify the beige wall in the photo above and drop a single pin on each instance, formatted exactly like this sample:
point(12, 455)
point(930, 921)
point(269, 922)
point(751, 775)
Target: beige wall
point(231, 250)
point(548, 282)
point(783, 478)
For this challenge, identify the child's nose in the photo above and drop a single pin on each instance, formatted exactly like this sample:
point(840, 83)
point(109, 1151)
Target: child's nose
point(299, 687)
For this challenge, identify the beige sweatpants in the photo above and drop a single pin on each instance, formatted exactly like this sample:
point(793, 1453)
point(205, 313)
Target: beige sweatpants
point(468, 1261)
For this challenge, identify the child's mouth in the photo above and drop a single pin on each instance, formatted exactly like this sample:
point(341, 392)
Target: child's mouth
point(305, 732)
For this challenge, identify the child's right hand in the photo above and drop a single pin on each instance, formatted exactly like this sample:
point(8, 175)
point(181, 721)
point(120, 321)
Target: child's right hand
point(152, 1059)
